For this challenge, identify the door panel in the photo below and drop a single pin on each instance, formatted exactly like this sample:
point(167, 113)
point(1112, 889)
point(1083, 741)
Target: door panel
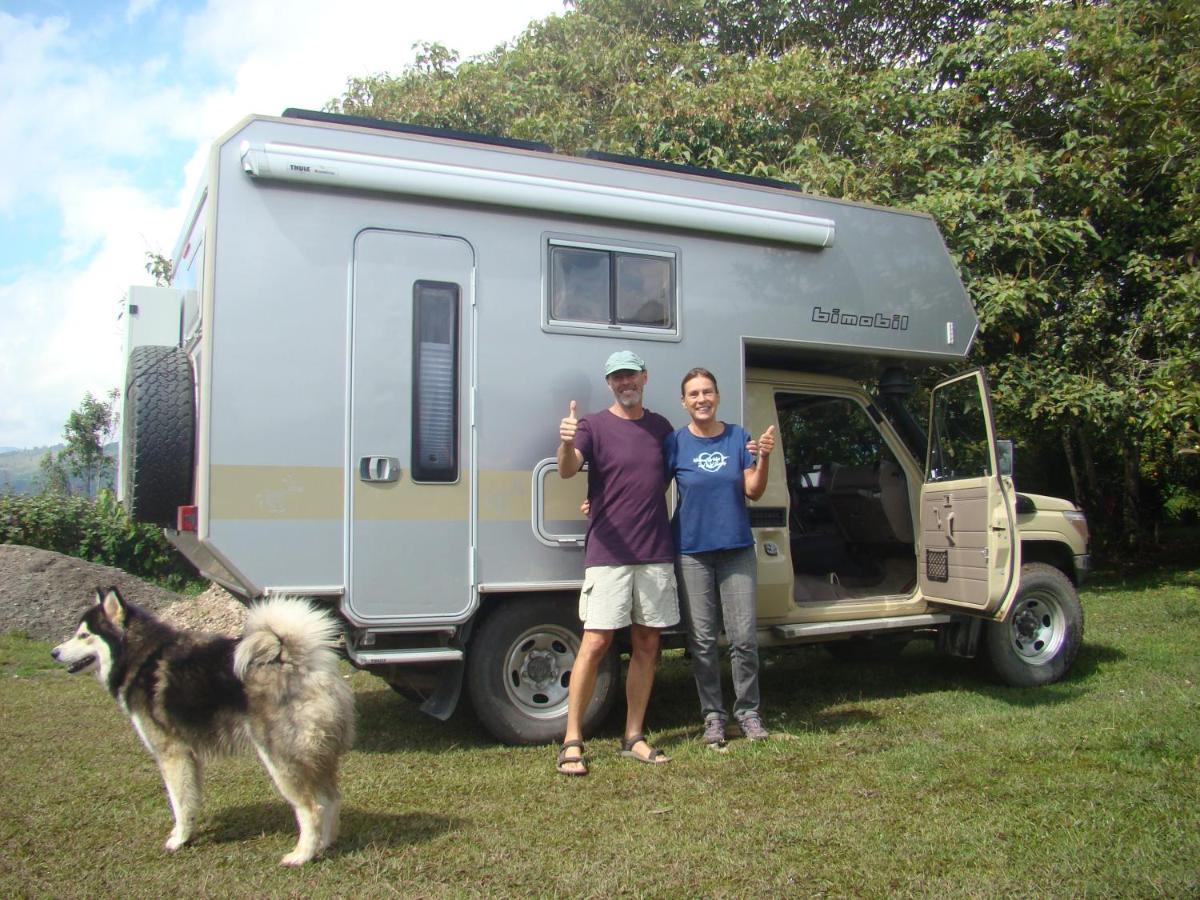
point(969, 552)
point(409, 474)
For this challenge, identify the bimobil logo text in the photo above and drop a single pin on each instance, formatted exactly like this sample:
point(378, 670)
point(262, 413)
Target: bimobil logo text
point(835, 316)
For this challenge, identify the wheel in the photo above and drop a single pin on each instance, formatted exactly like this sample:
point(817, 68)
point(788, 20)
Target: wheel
point(1039, 638)
point(158, 434)
point(519, 666)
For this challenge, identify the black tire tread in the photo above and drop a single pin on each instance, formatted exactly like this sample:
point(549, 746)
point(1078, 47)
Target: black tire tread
point(1014, 671)
point(159, 433)
point(485, 663)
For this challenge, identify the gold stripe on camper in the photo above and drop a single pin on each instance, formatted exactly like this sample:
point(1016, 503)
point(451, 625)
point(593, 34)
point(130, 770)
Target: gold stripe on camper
point(561, 497)
point(507, 496)
point(504, 496)
point(315, 492)
point(275, 492)
point(404, 501)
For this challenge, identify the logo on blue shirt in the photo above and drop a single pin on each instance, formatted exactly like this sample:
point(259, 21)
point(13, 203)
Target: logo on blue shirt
point(711, 462)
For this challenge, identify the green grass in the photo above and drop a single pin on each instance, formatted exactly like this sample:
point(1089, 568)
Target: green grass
point(912, 777)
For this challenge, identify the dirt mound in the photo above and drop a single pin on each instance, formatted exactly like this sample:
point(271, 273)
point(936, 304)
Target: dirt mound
point(43, 593)
point(216, 611)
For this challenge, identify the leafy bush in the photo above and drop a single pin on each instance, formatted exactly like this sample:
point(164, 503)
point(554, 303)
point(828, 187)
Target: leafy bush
point(1182, 506)
point(96, 530)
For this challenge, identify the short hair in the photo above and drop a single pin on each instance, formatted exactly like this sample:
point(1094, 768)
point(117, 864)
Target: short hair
point(698, 372)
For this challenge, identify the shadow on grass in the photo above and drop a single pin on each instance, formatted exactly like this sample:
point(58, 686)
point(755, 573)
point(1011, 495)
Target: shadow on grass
point(1091, 657)
point(807, 685)
point(388, 723)
point(358, 829)
point(803, 685)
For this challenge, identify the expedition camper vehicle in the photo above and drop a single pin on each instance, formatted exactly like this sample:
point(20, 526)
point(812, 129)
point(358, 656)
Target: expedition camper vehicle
point(380, 327)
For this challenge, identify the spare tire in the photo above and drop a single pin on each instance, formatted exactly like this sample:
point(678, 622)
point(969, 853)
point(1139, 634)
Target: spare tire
point(158, 434)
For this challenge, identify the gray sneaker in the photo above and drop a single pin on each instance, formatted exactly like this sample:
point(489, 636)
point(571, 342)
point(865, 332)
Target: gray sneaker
point(714, 732)
point(752, 727)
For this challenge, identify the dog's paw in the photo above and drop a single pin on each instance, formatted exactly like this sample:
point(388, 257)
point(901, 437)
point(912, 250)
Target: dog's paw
point(296, 858)
point(174, 842)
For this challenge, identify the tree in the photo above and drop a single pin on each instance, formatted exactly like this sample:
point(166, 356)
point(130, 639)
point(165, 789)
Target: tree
point(160, 267)
point(88, 430)
point(1056, 142)
point(53, 477)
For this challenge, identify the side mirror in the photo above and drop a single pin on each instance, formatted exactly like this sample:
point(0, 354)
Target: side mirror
point(1004, 456)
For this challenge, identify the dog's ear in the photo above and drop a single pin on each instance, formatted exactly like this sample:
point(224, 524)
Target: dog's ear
point(114, 606)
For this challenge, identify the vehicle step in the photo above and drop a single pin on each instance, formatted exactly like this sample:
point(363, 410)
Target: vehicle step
point(818, 629)
point(405, 656)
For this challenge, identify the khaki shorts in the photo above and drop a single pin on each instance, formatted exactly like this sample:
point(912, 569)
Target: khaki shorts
point(614, 596)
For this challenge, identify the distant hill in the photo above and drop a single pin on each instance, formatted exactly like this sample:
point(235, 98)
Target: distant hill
point(20, 469)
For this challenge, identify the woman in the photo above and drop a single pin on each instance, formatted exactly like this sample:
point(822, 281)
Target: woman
point(715, 471)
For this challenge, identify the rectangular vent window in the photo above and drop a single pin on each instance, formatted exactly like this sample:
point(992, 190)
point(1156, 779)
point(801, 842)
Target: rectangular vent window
point(435, 382)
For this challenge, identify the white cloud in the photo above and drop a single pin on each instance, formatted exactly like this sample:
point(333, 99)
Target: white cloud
point(107, 125)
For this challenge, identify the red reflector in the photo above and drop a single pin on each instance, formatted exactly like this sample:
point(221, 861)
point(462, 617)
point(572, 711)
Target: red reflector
point(186, 518)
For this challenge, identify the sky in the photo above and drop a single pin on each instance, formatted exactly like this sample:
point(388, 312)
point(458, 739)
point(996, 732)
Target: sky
point(107, 113)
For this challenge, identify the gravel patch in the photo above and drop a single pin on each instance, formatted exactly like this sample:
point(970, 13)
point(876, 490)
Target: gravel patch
point(43, 593)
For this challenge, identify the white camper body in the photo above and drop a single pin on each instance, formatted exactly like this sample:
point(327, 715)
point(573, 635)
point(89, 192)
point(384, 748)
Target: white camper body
point(381, 329)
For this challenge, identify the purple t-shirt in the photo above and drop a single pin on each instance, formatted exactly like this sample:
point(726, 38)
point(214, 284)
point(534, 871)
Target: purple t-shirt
point(628, 523)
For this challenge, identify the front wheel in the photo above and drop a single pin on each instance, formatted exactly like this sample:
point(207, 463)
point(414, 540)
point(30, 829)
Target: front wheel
point(519, 669)
point(1039, 638)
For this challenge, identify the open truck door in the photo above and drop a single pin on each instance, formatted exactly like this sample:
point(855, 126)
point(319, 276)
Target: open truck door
point(969, 554)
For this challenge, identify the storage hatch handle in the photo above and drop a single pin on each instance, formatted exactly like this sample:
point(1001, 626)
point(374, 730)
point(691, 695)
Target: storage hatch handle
point(379, 469)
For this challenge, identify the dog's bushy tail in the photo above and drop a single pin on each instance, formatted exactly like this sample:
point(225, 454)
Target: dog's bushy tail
point(288, 663)
point(290, 632)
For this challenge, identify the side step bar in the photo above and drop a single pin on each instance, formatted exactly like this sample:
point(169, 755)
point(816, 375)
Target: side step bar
point(833, 629)
point(404, 656)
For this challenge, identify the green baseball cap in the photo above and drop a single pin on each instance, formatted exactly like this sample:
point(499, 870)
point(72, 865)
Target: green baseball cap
point(624, 361)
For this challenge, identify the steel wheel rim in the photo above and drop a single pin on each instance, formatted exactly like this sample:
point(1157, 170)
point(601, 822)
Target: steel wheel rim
point(537, 670)
point(1037, 627)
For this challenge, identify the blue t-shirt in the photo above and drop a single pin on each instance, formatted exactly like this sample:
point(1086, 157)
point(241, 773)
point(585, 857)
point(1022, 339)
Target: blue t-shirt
point(709, 478)
point(628, 522)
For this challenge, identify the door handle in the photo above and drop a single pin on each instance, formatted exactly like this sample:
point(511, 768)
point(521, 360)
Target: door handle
point(379, 469)
point(950, 528)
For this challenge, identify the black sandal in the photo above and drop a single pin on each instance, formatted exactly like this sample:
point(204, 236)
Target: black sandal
point(655, 758)
point(564, 760)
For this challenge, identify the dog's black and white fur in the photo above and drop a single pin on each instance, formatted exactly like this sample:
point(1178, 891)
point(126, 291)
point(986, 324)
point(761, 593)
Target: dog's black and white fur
point(192, 696)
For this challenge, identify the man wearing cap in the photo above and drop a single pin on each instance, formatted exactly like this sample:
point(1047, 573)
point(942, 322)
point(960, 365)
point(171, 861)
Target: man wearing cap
point(629, 576)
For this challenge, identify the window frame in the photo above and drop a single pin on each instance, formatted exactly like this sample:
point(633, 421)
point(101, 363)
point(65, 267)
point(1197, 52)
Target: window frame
point(614, 249)
point(423, 473)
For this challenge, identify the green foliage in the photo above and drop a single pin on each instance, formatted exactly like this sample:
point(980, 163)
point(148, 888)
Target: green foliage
point(88, 429)
point(96, 530)
point(52, 474)
point(1056, 143)
point(1182, 506)
point(160, 267)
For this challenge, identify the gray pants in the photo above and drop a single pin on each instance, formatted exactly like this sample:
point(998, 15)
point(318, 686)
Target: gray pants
point(716, 586)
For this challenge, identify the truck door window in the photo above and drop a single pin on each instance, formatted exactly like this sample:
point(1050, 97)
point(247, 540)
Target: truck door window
point(958, 439)
point(435, 382)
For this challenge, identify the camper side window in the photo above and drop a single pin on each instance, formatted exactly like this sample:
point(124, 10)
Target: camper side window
point(611, 287)
point(435, 382)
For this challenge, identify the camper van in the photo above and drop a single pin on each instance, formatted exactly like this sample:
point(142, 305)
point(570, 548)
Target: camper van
point(380, 327)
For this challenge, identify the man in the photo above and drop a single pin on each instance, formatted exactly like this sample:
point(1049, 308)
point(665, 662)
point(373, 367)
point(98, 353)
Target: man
point(629, 576)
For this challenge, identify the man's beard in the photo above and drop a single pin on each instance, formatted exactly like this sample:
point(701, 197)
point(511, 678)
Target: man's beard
point(630, 399)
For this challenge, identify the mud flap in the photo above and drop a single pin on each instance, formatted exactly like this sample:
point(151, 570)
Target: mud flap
point(444, 699)
point(960, 637)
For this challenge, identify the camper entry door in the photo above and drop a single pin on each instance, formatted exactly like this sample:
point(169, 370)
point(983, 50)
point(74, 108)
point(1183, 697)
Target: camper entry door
point(408, 540)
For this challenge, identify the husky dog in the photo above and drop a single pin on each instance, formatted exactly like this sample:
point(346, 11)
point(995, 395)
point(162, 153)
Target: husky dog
point(193, 696)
